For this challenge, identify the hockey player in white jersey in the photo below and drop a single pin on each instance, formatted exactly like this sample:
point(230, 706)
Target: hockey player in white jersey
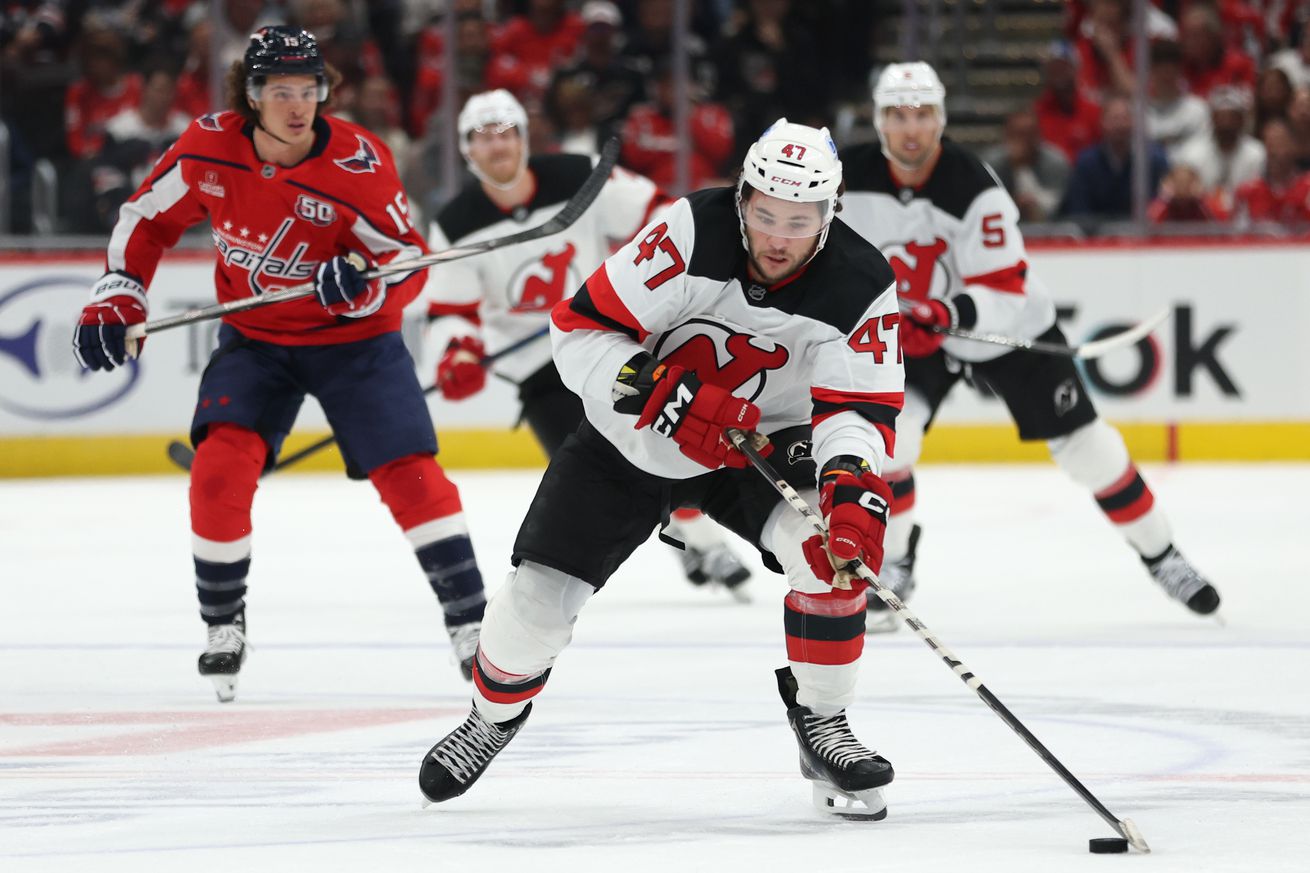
point(951, 233)
point(749, 307)
point(508, 294)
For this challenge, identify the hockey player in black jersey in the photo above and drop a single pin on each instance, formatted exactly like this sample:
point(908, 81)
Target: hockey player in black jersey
point(506, 296)
point(749, 307)
point(951, 233)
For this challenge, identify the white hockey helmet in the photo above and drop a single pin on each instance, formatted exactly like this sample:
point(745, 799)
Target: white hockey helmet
point(792, 162)
point(493, 112)
point(913, 84)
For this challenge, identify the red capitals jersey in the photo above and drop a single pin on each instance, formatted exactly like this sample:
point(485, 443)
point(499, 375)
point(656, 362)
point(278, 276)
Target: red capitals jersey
point(273, 225)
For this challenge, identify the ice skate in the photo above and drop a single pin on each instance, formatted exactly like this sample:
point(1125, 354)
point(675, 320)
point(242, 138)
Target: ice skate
point(1182, 581)
point(454, 764)
point(223, 656)
point(847, 778)
point(717, 565)
point(897, 575)
point(464, 646)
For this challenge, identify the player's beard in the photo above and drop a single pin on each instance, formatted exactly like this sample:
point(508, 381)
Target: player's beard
point(759, 268)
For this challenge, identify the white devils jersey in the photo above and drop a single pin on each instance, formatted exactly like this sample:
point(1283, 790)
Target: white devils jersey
point(820, 349)
point(955, 237)
point(511, 290)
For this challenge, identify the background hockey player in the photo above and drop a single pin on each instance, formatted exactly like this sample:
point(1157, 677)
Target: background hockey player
point(951, 233)
point(749, 308)
point(510, 293)
point(292, 195)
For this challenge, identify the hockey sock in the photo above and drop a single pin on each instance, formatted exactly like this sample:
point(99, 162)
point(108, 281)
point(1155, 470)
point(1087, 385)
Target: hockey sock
point(1095, 457)
point(825, 638)
point(528, 623)
point(896, 542)
point(694, 529)
point(224, 476)
point(426, 506)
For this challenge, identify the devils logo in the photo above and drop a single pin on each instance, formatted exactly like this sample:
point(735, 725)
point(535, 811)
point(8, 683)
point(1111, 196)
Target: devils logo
point(721, 356)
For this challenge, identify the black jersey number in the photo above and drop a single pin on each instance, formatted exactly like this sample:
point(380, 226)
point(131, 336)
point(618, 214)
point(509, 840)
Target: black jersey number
point(658, 241)
point(869, 337)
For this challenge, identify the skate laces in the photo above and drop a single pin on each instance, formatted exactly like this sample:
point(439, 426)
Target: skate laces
point(1177, 575)
point(470, 746)
point(831, 738)
point(720, 563)
point(225, 639)
point(464, 639)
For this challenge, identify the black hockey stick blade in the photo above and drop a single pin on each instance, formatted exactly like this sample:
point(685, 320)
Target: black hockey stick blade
point(181, 454)
point(744, 443)
point(579, 203)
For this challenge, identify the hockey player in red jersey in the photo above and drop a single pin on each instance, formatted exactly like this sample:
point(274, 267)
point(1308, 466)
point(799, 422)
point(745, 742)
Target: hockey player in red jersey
point(292, 196)
point(747, 307)
point(951, 233)
point(507, 295)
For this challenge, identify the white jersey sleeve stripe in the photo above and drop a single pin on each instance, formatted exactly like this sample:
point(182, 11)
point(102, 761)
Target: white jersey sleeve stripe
point(166, 192)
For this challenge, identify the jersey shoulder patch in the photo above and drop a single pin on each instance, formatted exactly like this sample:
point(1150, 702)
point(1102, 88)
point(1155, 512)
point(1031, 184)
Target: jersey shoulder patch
point(718, 253)
point(558, 177)
point(841, 283)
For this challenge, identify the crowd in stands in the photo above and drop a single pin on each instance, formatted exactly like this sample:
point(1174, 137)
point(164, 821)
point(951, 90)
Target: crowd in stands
point(101, 87)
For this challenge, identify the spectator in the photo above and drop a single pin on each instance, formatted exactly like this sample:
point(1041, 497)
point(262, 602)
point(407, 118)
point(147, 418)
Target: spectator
point(649, 143)
point(1229, 156)
point(104, 89)
point(650, 43)
point(1273, 94)
point(1184, 199)
point(193, 81)
point(1282, 194)
point(543, 40)
point(1298, 118)
point(153, 122)
point(239, 19)
point(613, 84)
point(1034, 172)
point(476, 69)
point(1102, 181)
point(767, 69)
point(1295, 61)
point(1172, 115)
point(1068, 119)
point(343, 43)
point(1105, 49)
point(1208, 60)
point(572, 113)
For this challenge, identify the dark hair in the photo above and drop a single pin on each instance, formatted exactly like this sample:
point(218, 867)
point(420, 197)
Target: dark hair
point(236, 91)
point(1166, 52)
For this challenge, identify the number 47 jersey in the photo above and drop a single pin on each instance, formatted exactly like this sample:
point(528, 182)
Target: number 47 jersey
point(818, 349)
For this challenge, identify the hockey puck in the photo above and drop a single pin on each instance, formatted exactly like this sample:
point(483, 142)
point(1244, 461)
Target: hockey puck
point(1107, 845)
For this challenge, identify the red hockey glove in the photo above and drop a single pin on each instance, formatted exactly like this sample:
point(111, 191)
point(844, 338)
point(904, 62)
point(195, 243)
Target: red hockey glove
point(341, 290)
point(918, 339)
point(695, 416)
point(100, 340)
point(855, 504)
point(460, 373)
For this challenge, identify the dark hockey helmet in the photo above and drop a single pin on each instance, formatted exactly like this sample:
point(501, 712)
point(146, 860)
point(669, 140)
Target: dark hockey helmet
point(283, 51)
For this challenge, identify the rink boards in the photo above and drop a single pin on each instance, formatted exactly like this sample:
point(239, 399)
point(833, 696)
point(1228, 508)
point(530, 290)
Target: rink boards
point(1219, 380)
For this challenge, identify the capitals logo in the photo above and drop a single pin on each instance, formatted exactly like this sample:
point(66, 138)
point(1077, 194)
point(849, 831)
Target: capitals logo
point(721, 356)
point(364, 160)
point(922, 271)
point(541, 283)
point(236, 250)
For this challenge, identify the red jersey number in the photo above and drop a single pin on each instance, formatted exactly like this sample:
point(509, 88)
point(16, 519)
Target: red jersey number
point(869, 337)
point(657, 241)
point(993, 231)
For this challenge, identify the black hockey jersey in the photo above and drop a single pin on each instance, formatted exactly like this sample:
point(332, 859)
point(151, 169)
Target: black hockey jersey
point(819, 348)
point(957, 234)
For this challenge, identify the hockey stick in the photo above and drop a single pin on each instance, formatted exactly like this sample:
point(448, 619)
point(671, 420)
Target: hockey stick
point(1124, 827)
point(1083, 352)
point(184, 456)
point(572, 211)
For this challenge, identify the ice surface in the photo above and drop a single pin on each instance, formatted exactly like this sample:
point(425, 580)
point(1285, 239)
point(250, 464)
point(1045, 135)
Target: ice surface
point(660, 743)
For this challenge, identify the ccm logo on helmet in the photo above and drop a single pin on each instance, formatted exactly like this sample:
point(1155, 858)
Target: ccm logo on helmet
point(782, 181)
